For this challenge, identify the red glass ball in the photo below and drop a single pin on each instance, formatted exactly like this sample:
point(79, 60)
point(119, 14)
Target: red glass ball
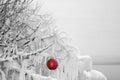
point(52, 64)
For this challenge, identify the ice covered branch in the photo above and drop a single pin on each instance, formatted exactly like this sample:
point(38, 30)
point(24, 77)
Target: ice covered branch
point(36, 52)
point(25, 55)
point(29, 34)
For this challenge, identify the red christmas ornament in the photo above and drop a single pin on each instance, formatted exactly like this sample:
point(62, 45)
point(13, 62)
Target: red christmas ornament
point(52, 64)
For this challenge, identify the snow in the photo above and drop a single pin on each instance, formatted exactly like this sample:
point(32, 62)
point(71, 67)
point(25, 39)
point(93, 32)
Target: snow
point(94, 75)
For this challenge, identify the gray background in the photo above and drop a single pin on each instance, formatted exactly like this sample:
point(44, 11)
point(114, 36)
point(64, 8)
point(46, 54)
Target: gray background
point(94, 26)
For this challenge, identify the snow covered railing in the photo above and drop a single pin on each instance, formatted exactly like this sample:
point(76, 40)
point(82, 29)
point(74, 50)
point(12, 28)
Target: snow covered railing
point(94, 75)
point(88, 72)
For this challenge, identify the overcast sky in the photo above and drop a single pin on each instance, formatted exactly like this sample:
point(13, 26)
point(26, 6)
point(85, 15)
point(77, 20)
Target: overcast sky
point(93, 25)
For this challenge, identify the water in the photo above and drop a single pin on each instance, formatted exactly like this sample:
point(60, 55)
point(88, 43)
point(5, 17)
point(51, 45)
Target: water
point(112, 72)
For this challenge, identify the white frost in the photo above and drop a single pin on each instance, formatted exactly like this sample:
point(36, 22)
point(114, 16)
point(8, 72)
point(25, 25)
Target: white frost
point(94, 75)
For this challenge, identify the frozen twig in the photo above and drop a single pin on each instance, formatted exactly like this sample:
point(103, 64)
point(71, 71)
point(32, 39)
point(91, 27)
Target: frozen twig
point(25, 55)
point(48, 36)
point(2, 75)
point(30, 34)
point(36, 52)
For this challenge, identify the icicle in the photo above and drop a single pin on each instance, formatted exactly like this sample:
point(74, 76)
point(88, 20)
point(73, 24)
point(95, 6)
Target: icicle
point(22, 71)
point(22, 75)
point(13, 75)
point(67, 70)
point(3, 75)
point(86, 62)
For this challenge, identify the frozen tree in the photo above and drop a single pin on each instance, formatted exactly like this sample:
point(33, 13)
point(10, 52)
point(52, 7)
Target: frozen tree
point(28, 40)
